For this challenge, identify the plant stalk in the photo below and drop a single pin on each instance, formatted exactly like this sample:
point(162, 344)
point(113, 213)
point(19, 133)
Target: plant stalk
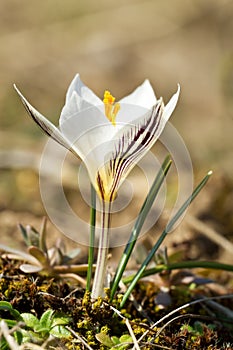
point(92, 238)
point(101, 264)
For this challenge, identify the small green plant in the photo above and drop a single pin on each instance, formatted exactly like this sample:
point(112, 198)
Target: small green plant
point(29, 328)
point(50, 324)
point(114, 342)
point(39, 258)
point(11, 323)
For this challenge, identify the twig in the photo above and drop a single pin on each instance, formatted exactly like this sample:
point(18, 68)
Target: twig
point(183, 307)
point(79, 338)
point(6, 333)
point(81, 280)
point(136, 346)
point(209, 232)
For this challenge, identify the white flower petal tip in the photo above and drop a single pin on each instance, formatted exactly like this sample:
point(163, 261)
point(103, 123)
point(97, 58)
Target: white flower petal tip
point(143, 96)
point(44, 123)
point(171, 105)
point(82, 91)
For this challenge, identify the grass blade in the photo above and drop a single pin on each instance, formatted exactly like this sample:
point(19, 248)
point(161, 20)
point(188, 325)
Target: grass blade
point(182, 265)
point(139, 223)
point(163, 235)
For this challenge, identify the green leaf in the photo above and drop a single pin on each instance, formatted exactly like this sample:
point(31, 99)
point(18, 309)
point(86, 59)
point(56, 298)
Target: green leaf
point(59, 320)
point(126, 338)
point(59, 331)
point(18, 337)
point(42, 331)
point(115, 340)
point(104, 339)
point(154, 190)
point(198, 327)
point(5, 305)
point(167, 229)
point(4, 345)
point(42, 236)
point(30, 320)
point(24, 234)
point(46, 319)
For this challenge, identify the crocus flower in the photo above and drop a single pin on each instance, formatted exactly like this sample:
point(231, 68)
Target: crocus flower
point(109, 137)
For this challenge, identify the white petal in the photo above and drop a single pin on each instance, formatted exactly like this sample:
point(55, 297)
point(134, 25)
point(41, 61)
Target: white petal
point(88, 131)
point(73, 106)
point(143, 96)
point(78, 98)
point(83, 91)
point(128, 113)
point(44, 123)
point(170, 106)
point(128, 147)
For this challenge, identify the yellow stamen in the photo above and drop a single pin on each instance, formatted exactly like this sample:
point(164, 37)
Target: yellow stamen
point(111, 108)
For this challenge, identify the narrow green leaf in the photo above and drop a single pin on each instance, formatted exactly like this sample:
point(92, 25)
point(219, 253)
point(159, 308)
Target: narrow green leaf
point(163, 235)
point(24, 234)
point(42, 236)
point(6, 306)
point(18, 337)
point(154, 190)
point(33, 236)
point(182, 265)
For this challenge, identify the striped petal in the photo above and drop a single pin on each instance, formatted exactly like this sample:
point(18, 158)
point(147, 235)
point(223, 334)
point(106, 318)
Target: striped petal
point(132, 142)
point(130, 145)
point(50, 129)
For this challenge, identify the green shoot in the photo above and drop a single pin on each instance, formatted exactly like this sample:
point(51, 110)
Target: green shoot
point(139, 223)
point(163, 235)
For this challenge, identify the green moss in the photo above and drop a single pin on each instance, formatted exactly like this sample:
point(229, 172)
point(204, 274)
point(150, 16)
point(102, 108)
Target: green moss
point(36, 294)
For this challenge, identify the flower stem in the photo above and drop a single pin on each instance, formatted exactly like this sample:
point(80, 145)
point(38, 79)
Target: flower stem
point(101, 264)
point(92, 238)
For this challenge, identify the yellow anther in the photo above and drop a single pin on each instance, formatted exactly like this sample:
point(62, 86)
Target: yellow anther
point(111, 109)
point(108, 98)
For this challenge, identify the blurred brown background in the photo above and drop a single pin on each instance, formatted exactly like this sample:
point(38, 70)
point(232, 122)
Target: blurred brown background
point(114, 45)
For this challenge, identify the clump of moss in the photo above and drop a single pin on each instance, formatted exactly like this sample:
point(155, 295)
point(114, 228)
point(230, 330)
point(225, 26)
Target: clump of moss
point(100, 326)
